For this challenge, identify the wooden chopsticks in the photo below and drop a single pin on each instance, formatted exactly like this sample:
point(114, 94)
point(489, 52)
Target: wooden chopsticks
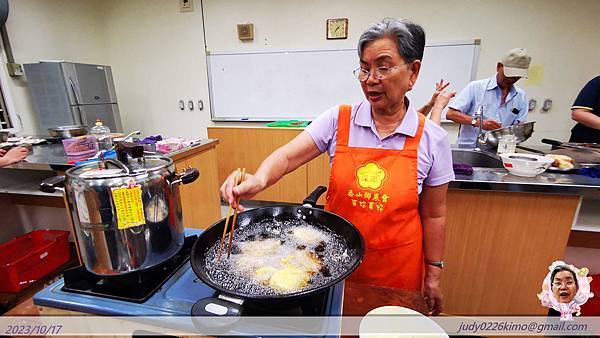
point(238, 179)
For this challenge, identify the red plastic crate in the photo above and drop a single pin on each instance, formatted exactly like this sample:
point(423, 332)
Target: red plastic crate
point(30, 257)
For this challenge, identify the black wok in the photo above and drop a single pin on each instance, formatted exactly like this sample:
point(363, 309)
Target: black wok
point(315, 216)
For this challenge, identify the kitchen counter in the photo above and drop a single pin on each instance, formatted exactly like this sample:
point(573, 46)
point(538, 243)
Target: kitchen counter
point(32, 209)
point(549, 182)
point(359, 299)
point(53, 156)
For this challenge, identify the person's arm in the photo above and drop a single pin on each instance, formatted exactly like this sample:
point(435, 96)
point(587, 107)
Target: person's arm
point(458, 116)
point(13, 156)
point(583, 107)
point(440, 103)
point(432, 209)
point(282, 161)
point(462, 118)
point(462, 103)
point(585, 117)
point(439, 88)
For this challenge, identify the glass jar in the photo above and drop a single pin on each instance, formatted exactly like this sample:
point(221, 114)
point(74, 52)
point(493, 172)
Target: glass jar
point(103, 135)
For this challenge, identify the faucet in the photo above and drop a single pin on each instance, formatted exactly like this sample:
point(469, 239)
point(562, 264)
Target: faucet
point(479, 116)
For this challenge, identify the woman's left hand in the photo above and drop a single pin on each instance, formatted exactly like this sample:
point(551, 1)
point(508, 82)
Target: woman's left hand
point(443, 99)
point(433, 290)
point(439, 88)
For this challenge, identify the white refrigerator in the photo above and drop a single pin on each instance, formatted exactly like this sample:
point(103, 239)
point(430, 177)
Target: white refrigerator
point(66, 93)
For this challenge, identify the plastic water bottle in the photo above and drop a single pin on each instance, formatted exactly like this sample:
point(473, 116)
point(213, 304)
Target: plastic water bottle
point(507, 144)
point(103, 135)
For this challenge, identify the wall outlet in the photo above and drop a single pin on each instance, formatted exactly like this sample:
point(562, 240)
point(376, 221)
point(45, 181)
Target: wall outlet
point(186, 5)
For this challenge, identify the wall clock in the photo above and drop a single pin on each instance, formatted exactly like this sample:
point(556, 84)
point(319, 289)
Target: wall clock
point(337, 28)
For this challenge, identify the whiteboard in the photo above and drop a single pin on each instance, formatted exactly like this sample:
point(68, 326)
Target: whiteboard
point(268, 86)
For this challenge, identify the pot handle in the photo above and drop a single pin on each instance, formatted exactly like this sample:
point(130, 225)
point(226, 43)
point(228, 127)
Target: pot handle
point(188, 176)
point(552, 142)
point(311, 200)
point(52, 184)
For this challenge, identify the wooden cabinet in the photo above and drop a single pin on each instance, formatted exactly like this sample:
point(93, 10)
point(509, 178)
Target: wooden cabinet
point(498, 248)
point(247, 147)
point(200, 200)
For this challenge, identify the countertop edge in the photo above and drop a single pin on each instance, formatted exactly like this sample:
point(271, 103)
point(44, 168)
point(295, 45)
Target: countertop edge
point(177, 155)
point(205, 144)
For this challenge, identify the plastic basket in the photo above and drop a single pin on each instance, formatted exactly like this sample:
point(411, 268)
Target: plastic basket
point(81, 145)
point(27, 258)
point(289, 124)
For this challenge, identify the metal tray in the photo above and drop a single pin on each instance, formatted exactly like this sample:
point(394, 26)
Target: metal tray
point(576, 167)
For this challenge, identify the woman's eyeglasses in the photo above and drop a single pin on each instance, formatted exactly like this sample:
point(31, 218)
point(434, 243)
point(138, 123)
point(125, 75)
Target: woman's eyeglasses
point(380, 73)
point(568, 284)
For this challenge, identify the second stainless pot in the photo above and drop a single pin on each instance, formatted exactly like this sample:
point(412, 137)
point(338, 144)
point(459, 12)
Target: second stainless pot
point(127, 216)
point(64, 132)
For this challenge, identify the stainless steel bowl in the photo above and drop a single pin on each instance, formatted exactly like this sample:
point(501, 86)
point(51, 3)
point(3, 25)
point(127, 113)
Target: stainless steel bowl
point(521, 132)
point(67, 131)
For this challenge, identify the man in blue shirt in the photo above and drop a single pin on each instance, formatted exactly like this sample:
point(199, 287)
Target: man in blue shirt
point(504, 104)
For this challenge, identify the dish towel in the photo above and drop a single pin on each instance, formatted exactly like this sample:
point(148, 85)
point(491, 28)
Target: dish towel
point(462, 169)
point(591, 172)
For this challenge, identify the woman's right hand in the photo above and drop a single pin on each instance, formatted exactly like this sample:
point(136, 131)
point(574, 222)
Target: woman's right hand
point(250, 186)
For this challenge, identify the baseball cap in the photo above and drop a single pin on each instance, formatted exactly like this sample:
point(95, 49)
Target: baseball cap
point(516, 62)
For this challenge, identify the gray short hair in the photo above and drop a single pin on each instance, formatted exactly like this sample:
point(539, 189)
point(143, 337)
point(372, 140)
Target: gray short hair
point(409, 37)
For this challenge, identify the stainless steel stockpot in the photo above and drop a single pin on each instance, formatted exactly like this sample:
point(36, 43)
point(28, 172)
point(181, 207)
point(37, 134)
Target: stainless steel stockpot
point(126, 214)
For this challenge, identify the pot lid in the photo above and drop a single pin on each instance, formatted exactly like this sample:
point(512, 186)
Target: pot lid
point(116, 168)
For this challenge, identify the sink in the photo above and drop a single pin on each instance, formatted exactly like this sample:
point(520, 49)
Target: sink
point(476, 158)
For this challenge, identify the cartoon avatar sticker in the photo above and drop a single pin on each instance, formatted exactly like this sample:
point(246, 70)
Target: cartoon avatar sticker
point(565, 288)
point(370, 176)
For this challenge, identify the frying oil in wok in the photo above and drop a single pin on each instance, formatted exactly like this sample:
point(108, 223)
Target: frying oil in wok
point(274, 256)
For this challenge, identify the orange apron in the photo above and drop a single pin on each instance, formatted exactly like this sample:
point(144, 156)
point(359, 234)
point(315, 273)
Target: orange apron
point(376, 190)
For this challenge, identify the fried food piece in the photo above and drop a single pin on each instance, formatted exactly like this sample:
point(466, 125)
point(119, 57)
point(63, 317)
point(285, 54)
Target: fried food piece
point(302, 260)
point(289, 279)
point(264, 274)
point(248, 264)
point(564, 165)
point(561, 161)
point(308, 235)
point(260, 248)
point(558, 157)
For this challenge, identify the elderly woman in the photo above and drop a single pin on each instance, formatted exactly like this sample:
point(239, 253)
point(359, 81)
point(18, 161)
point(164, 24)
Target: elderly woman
point(564, 284)
point(390, 165)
